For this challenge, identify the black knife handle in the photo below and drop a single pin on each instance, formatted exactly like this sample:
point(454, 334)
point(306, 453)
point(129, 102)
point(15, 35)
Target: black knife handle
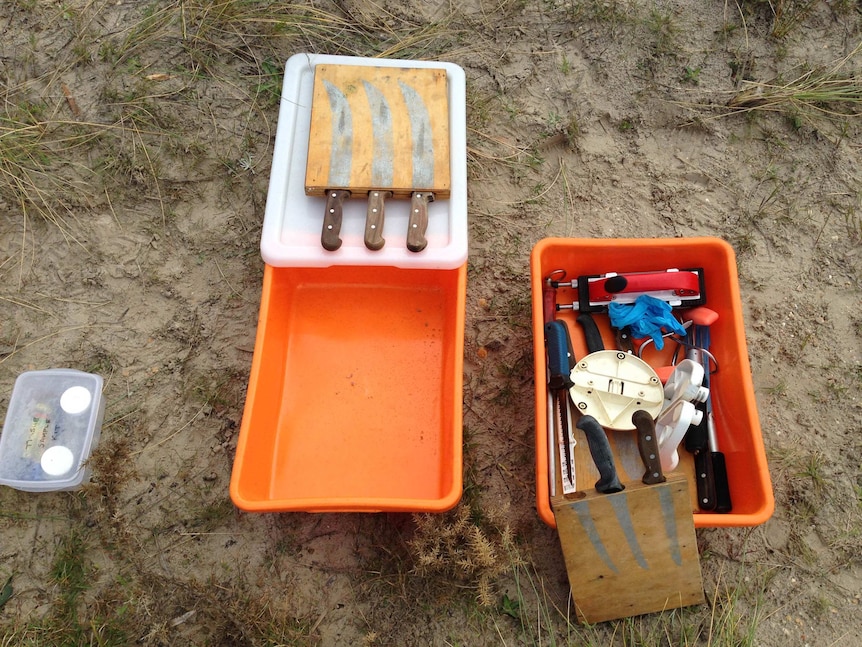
point(556, 338)
point(648, 447)
point(329, 236)
point(697, 436)
point(704, 480)
point(591, 332)
point(584, 294)
point(722, 485)
point(600, 450)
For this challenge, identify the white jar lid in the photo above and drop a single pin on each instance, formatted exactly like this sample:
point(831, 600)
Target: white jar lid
point(75, 399)
point(57, 460)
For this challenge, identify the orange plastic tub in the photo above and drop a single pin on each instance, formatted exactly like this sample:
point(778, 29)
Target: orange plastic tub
point(735, 409)
point(355, 396)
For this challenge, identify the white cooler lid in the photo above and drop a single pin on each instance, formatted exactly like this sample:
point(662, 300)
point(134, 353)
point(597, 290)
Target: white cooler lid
point(292, 222)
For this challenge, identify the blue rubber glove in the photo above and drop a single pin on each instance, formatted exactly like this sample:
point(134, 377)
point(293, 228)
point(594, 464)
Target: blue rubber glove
point(646, 317)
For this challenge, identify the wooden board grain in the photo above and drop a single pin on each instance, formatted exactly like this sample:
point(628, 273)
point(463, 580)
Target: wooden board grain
point(624, 446)
point(382, 128)
point(632, 552)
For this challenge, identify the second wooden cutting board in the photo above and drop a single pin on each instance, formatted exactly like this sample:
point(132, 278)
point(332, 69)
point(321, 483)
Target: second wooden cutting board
point(378, 132)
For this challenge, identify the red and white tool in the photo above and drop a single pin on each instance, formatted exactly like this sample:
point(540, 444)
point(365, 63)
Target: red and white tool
point(678, 287)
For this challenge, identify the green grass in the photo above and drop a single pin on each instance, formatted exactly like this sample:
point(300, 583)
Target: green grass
point(71, 621)
point(87, 610)
point(730, 617)
point(31, 180)
point(269, 86)
point(789, 16)
point(812, 470)
point(6, 591)
point(832, 92)
point(70, 573)
point(661, 24)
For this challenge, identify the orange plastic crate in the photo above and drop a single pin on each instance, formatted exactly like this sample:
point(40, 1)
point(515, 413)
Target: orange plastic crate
point(355, 396)
point(735, 409)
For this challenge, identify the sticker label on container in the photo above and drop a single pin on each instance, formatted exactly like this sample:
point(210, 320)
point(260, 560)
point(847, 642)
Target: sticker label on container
point(40, 433)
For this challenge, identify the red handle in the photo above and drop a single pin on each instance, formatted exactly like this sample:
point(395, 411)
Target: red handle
point(549, 302)
point(682, 283)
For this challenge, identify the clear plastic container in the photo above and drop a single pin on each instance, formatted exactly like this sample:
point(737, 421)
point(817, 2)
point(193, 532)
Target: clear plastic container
point(52, 424)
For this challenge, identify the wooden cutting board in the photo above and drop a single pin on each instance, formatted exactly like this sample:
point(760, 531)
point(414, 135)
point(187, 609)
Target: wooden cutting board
point(379, 128)
point(631, 552)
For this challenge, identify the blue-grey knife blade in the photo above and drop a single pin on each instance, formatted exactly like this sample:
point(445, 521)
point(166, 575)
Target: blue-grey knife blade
point(383, 157)
point(422, 136)
point(341, 155)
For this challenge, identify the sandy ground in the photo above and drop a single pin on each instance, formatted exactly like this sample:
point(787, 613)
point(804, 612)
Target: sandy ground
point(129, 248)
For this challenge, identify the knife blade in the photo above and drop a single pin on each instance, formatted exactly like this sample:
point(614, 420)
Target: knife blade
point(382, 161)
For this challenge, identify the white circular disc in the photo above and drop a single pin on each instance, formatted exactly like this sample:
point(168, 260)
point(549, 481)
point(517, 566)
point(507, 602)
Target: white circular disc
point(57, 460)
point(75, 399)
point(611, 385)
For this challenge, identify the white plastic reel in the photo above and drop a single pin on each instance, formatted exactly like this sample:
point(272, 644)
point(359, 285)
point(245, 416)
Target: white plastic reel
point(685, 384)
point(670, 428)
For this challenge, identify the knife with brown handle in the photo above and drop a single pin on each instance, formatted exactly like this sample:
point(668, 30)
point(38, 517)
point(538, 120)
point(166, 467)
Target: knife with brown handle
point(329, 236)
point(713, 487)
point(648, 447)
point(374, 219)
point(418, 223)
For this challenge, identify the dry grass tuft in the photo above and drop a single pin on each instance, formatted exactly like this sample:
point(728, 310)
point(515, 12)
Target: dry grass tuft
point(454, 547)
point(834, 92)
